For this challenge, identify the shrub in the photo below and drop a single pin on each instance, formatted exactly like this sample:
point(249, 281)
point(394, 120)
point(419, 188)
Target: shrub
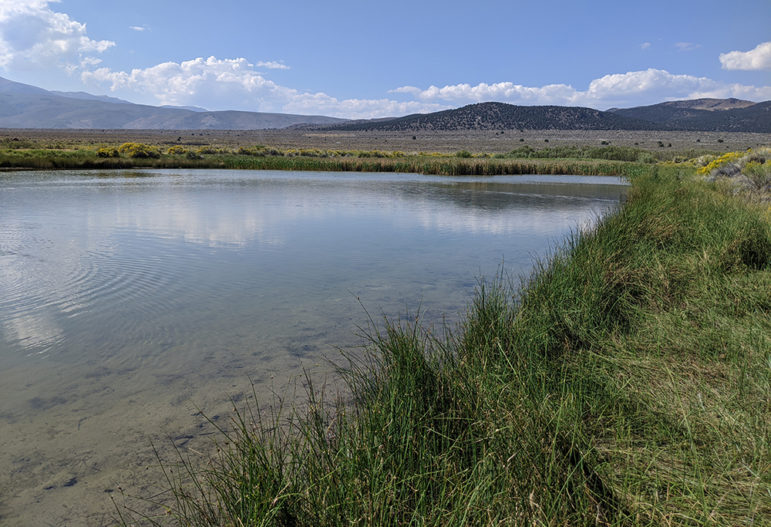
point(463, 153)
point(139, 150)
point(177, 150)
point(522, 151)
point(208, 150)
point(255, 151)
point(646, 157)
point(758, 173)
point(107, 152)
point(720, 161)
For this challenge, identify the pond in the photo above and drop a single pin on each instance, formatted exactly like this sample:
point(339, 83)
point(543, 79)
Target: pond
point(132, 300)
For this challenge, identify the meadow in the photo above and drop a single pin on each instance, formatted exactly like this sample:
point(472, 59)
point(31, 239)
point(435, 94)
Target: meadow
point(61, 150)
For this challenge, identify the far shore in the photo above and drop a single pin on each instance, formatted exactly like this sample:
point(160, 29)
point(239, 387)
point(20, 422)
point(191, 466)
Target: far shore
point(487, 141)
point(468, 153)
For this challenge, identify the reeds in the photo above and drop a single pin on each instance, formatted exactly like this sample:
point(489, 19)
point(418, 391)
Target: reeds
point(264, 158)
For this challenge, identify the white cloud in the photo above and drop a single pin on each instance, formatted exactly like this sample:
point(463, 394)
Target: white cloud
point(217, 83)
point(645, 45)
point(236, 84)
point(500, 91)
point(758, 58)
point(34, 36)
point(138, 28)
point(620, 89)
point(272, 65)
point(321, 103)
point(176, 83)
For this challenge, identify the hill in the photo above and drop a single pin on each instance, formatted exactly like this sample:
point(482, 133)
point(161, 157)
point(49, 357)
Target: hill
point(708, 115)
point(713, 115)
point(25, 106)
point(501, 116)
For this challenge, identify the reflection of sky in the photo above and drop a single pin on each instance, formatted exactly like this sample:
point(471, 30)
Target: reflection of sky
point(220, 225)
point(34, 329)
point(71, 244)
point(239, 222)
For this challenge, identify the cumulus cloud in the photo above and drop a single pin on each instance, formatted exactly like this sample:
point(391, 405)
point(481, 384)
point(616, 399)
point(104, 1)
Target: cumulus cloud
point(758, 58)
point(32, 35)
point(219, 83)
point(619, 89)
point(236, 84)
point(177, 83)
point(500, 91)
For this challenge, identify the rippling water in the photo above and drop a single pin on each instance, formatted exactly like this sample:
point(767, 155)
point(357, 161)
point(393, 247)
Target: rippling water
point(128, 300)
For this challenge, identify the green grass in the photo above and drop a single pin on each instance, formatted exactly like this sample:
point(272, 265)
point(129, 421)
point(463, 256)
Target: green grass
point(264, 158)
point(628, 383)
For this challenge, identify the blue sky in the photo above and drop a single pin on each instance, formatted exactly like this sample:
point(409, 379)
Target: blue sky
point(372, 59)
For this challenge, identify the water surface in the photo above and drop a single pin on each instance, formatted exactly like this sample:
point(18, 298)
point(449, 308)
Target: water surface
point(130, 300)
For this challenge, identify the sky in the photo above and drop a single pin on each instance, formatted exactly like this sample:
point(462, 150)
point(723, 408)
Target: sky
point(366, 59)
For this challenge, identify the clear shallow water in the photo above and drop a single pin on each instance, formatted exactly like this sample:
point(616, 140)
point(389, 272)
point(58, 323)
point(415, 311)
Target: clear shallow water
point(128, 300)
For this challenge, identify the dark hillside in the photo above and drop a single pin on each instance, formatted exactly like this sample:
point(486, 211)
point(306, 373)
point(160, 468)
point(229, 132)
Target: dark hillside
point(708, 115)
point(500, 116)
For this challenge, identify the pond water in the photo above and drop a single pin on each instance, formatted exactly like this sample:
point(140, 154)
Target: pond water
point(131, 300)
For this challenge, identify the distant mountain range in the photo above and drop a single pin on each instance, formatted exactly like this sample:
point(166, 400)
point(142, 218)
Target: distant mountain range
point(719, 115)
point(25, 106)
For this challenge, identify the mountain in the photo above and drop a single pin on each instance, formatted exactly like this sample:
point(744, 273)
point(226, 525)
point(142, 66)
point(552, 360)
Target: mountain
point(501, 116)
point(88, 96)
point(25, 106)
point(192, 108)
point(718, 115)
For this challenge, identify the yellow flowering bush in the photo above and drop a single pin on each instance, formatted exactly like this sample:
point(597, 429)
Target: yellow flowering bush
point(728, 157)
point(107, 152)
point(177, 150)
point(139, 150)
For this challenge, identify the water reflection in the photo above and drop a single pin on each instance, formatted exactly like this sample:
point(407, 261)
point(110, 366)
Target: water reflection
point(94, 243)
point(128, 299)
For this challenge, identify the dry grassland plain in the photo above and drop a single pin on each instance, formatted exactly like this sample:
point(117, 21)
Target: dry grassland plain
point(487, 141)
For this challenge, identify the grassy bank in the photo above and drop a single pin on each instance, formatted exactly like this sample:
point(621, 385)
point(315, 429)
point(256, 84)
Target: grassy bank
point(628, 384)
point(603, 160)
